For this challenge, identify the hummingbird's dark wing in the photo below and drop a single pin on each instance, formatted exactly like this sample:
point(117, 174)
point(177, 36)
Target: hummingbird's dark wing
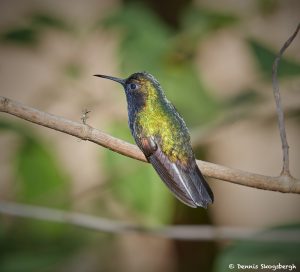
point(186, 182)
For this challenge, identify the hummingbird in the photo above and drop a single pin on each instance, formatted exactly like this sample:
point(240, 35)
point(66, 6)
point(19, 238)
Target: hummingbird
point(162, 135)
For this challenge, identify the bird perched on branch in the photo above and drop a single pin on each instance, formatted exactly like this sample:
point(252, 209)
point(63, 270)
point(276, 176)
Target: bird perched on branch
point(162, 135)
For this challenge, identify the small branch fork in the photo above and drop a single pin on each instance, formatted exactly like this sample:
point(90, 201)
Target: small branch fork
point(281, 123)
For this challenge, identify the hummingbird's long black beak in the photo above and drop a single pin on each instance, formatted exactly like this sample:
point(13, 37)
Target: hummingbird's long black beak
point(119, 80)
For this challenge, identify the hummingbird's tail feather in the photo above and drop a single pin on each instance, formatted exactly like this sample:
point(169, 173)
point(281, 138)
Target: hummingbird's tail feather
point(186, 183)
point(207, 196)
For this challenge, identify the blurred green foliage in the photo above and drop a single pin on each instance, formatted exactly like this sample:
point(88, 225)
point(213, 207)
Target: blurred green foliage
point(22, 35)
point(265, 58)
point(259, 252)
point(31, 249)
point(30, 32)
point(247, 97)
point(146, 43)
point(267, 7)
point(73, 70)
point(26, 246)
point(43, 21)
point(40, 179)
point(137, 186)
point(199, 22)
point(153, 46)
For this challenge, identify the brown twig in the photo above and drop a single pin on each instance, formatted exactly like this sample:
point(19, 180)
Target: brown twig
point(284, 184)
point(180, 232)
point(281, 123)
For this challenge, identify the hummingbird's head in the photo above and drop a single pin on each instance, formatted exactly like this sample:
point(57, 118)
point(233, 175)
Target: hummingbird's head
point(139, 87)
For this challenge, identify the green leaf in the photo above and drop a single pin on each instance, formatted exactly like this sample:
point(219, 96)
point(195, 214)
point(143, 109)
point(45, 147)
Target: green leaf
point(30, 33)
point(144, 43)
point(199, 22)
point(267, 7)
point(245, 98)
point(41, 20)
point(265, 58)
point(189, 95)
point(41, 179)
point(20, 35)
point(150, 45)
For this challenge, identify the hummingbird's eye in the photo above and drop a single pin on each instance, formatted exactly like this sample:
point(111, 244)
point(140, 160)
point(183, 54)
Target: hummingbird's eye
point(133, 86)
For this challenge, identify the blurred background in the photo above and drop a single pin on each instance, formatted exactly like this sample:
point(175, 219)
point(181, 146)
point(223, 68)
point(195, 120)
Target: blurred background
point(214, 61)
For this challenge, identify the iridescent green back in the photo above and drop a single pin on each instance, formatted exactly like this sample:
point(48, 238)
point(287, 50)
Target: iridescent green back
point(158, 118)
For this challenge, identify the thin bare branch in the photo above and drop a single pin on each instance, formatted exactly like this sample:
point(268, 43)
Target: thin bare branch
point(180, 232)
point(280, 114)
point(79, 130)
point(284, 184)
